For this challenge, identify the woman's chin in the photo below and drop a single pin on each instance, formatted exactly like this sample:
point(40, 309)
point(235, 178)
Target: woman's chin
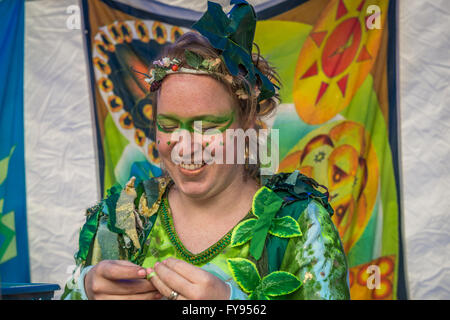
point(193, 180)
point(195, 189)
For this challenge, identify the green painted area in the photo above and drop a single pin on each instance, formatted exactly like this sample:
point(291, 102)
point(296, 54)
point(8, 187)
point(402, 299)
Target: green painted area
point(270, 41)
point(114, 142)
point(168, 123)
point(4, 163)
point(8, 248)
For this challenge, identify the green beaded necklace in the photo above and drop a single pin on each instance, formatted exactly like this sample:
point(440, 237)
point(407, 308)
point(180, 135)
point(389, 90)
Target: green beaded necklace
point(195, 259)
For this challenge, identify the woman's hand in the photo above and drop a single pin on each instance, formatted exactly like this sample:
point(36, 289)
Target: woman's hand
point(190, 282)
point(119, 280)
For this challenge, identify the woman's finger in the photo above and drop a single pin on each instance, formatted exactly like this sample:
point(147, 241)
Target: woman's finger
point(101, 285)
point(190, 272)
point(119, 270)
point(174, 280)
point(164, 289)
point(198, 284)
point(135, 286)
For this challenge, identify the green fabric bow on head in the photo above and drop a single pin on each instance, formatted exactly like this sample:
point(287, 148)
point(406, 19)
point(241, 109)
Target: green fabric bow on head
point(233, 35)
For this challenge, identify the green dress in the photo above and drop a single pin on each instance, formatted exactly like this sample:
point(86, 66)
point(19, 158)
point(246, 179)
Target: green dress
point(287, 247)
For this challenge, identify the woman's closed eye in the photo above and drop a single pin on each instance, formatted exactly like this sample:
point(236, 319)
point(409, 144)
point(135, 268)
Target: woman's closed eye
point(167, 126)
point(207, 126)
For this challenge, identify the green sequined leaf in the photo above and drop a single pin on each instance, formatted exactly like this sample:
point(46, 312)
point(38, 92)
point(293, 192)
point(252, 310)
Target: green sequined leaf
point(279, 283)
point(193, 59)
point(242, 232)
point(285, 227)
point(160, 73)
point(244, 273)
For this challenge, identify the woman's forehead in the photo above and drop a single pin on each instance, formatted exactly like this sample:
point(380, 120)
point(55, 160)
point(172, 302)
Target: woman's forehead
point(189, 95)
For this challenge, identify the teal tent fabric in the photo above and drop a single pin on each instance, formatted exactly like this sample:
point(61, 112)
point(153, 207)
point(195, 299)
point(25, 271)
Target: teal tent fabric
point(14, 257)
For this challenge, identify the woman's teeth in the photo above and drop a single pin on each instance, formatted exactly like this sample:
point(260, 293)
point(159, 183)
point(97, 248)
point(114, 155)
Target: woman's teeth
point(191, 166)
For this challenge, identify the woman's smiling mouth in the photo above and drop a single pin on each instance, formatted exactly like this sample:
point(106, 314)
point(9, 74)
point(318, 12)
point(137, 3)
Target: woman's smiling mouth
point(191, 168)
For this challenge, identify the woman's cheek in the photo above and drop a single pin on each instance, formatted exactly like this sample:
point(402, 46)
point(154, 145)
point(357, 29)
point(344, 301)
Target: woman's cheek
point(163, 142)
point(214, 148)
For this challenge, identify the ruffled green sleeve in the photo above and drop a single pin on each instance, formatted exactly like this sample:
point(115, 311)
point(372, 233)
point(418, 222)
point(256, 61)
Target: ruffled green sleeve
point(96, 243)
point(317, 258)
point(115, 229)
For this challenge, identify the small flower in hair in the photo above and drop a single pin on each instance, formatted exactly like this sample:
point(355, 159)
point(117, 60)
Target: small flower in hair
point(166, 62)
point(229, 78)
point(241, 94)
point(216, 62)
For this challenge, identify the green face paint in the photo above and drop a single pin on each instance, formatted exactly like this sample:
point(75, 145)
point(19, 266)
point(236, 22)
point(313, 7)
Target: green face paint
point(168, 123)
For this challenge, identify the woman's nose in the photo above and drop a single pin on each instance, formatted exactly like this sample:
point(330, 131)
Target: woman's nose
point(189, 146)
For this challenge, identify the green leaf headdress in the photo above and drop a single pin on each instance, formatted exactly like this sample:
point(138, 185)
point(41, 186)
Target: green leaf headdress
point(233, 36)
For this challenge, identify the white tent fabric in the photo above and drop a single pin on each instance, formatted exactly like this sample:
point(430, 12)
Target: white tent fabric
point(425, 131)
point(60, 147)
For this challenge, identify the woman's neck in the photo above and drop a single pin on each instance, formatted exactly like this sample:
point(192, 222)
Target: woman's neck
point(235, 199)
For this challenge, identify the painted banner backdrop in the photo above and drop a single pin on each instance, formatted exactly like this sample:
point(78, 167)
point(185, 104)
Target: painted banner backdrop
point(337, 123)
point(14, 261)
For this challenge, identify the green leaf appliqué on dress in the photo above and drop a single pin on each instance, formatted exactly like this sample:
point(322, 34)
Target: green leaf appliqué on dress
point(265, 206)
point(244, 273)
point(243, 232)
point(286, 227)
point(280, 283)
point(277, 283)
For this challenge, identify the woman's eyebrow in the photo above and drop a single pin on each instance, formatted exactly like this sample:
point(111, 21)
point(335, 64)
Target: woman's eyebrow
point(167, 117)
point(205, 117)
point(215, 118)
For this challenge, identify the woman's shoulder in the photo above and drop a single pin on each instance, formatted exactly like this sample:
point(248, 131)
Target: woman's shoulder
point(149, 190)
point(296, 189)
point(126, 211)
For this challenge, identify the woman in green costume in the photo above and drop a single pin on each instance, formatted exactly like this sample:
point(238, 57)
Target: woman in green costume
point(211, 229)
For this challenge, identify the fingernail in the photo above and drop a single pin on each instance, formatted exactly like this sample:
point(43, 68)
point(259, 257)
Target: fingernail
point(156, 264)
point(142, 272)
